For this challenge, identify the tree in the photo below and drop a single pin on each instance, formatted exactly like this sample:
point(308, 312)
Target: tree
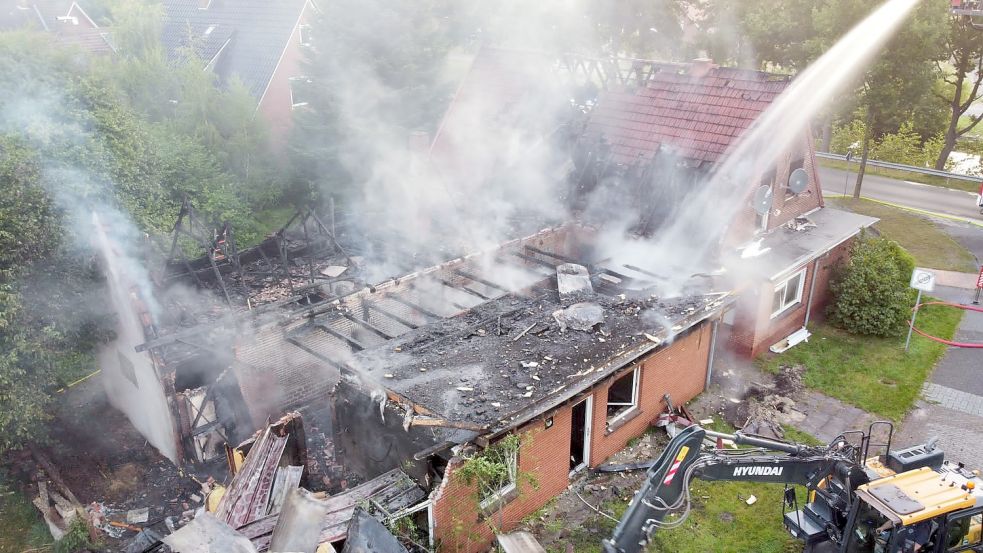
point(871, 294)
point(964, 72)
point(901, 76)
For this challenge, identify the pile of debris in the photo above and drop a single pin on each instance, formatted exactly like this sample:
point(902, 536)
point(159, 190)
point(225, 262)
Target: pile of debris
point(769, 408)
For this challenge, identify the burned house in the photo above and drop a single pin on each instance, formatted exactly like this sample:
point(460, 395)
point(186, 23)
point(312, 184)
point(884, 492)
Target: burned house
point(537, 337)
point(547, 336)
point(659, 131)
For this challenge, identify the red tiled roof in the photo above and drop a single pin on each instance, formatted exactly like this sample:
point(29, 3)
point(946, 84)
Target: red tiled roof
point(699, 117)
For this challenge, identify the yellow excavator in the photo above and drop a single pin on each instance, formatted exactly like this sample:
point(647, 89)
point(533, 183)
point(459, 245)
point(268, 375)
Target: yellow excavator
point(904, 501)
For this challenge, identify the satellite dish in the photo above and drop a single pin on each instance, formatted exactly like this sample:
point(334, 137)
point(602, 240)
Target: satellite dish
point(798, 181)
point(762, 199)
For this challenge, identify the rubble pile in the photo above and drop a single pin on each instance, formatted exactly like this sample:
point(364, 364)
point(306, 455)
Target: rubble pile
point(771, 407)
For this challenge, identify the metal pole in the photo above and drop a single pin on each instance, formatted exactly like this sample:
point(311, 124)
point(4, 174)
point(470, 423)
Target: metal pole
point(911, 326)
point(976, 301)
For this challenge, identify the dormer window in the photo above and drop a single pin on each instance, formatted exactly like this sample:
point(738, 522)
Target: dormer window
point(305, 34)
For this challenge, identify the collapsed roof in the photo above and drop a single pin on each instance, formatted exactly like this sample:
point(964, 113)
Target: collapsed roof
point(487, 341)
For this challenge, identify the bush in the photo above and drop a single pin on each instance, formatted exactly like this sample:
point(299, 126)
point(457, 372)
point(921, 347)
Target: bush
point(870, 293)
point(76, 539)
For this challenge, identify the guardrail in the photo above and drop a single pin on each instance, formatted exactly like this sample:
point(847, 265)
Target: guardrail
point(908, 168)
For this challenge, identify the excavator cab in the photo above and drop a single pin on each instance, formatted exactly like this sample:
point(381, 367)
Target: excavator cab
point(918, 511)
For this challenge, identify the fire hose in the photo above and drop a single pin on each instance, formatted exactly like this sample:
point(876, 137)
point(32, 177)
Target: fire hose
point(943, 340)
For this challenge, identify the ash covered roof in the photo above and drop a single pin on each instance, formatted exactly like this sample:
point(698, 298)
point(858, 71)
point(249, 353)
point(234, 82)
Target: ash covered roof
point(475, 341)
point(698, 116)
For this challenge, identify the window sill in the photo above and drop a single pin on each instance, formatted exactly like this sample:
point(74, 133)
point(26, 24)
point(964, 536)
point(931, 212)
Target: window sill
point(622, 419)
point(785, 312)
point(501, 498)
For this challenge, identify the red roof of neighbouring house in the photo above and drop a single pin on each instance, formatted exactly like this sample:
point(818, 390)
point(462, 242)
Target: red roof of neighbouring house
point(698, 116)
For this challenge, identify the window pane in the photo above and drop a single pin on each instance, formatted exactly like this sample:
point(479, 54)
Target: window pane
point(621, 390)
point(776, 302)
point(792, 290)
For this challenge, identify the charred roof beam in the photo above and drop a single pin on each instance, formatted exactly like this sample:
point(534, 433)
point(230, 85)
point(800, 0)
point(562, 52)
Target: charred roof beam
point(391, 315)
point(341, 336)
point(369, 326)
point(478, 279)
point(463, 288)
point(415, 307)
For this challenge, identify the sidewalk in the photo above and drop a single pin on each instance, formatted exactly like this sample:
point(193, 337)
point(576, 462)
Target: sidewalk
point(951, 408)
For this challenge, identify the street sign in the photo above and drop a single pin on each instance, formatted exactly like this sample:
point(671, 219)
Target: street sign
point(922, 280)
point(979, 279)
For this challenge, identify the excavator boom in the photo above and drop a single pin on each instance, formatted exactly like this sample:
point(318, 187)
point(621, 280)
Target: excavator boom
point(666, 487)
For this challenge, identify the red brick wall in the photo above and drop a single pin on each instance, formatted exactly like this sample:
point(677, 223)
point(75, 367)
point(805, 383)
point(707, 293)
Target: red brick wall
point(276, 106)
point(754, 329)
point(784, 207)
point(788, 207)
point(679, 370)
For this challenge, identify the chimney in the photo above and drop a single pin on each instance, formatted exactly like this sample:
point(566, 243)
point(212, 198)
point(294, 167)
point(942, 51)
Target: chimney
point(699, 67)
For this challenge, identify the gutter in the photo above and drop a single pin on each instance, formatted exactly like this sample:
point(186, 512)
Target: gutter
point(713, 348)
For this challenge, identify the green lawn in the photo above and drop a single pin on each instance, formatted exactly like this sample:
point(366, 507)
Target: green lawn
point(969, 186)
point(21, 526)
point(875, 374)
point(930, 245)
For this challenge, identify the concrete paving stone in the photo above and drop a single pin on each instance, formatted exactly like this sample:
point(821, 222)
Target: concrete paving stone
point(960, 434)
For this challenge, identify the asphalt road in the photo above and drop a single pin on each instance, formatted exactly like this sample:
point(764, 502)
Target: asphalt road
point(909, 194)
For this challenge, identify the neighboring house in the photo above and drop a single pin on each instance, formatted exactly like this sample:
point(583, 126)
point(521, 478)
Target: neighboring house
point(697, 112)
point(67, 22)
point(257, 42)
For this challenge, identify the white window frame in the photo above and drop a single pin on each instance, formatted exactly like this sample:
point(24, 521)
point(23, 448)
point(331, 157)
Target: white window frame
point(291, 81)
point(784, 306)
point(632, 406)
point(504, 494)
point(304, 34)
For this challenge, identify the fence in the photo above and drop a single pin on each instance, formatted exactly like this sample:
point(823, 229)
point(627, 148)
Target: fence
point(909, 168)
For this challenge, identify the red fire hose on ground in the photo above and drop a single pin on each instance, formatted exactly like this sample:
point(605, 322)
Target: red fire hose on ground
point(942, 340)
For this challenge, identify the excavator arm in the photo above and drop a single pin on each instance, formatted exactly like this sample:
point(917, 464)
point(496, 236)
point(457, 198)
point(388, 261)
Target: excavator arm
point(666, 487)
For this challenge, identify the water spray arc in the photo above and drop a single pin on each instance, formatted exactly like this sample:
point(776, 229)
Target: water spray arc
point(724, 194)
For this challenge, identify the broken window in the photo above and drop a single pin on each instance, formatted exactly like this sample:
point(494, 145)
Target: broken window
point(623, 395)
point(788, 293)
point(300, 91)
point(503, 461)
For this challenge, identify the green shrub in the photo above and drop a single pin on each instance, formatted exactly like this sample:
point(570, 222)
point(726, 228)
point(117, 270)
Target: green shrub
point(76, 539)
point(870, 293)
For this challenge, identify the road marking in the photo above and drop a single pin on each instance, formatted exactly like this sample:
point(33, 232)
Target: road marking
point(914, 209)
point(920, 184)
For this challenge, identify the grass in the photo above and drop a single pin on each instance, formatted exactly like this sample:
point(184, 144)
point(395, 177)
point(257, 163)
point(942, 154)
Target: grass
point(930, 245)
point(875, 374)
point(799, 437)
point(21, 526)
point(968, 186)
point(722, 522)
